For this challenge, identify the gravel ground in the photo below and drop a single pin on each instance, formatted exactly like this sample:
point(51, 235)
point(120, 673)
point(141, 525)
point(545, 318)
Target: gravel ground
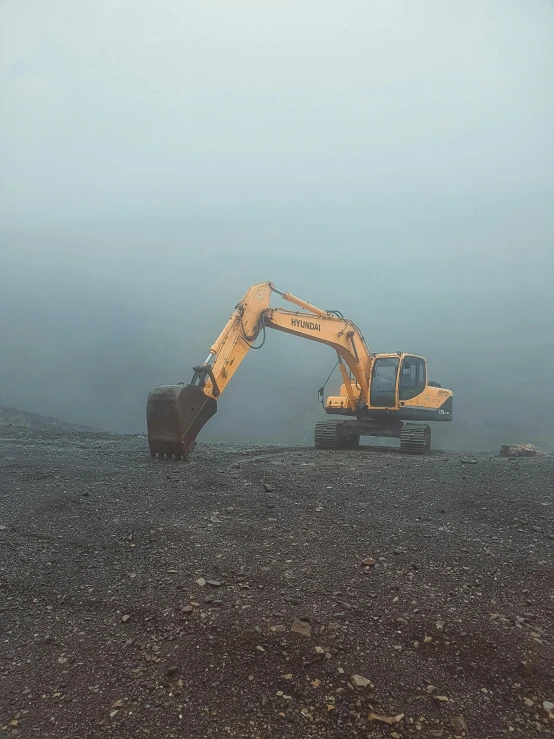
point(147, 598)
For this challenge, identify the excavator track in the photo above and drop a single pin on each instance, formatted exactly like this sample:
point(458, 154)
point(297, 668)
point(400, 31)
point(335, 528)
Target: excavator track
point(415, 439)
point(327, 436)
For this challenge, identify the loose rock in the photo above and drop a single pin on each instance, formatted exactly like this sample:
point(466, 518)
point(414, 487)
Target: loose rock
point(459, 725)
point(360, 682)
point(301, 627)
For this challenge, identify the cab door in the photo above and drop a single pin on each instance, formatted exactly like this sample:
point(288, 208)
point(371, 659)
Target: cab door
point(412, 381)
point(382, 391)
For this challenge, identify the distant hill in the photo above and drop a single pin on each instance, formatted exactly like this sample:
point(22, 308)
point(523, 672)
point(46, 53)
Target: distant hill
point(14, 417)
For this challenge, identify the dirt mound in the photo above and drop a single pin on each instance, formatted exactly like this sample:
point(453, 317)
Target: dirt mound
point(37, 422)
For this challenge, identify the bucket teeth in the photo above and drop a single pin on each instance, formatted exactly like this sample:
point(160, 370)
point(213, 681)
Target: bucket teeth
point(170, 451)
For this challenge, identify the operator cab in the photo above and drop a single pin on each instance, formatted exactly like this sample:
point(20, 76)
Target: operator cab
point(405, 375)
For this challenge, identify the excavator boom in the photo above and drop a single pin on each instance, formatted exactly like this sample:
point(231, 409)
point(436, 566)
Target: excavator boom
point(176, 413)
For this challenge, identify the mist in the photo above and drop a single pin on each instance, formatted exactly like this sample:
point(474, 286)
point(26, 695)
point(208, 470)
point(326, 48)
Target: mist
point(391, 160)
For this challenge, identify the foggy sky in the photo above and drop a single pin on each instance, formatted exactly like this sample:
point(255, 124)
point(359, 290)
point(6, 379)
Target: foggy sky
point(393, 160)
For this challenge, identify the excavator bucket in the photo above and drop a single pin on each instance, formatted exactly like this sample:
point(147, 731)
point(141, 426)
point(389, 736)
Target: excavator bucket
point(174, 416)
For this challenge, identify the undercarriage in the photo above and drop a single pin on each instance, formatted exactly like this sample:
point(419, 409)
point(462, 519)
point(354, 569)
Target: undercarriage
point(414, 438)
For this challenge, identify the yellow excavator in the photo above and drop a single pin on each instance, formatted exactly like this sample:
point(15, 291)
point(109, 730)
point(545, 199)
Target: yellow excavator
point(382, 394)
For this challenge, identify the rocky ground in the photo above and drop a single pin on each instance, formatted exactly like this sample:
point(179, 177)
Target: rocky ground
point(272, 592)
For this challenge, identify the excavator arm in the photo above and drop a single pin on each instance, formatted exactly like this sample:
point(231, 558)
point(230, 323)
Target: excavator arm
point(175, 414)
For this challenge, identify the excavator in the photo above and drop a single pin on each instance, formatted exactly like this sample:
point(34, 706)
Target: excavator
point(387, 395)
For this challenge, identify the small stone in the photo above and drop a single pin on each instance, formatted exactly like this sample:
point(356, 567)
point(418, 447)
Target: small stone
point(172, 671)
point(428, 640)
point(369, 562)
point(187, 609)
point(125, 618)
point(301, 627)
point(268, 488)
point(279, 629)
point(441, 698)
point(214, 583)
point(385, 719)
point(528, 702)
point(360, 682)
point(458, 723)
point(201, 582)
point(288, 676)
point(548, 706)
point(260, 648)
point(3, 528)
point(431, 689)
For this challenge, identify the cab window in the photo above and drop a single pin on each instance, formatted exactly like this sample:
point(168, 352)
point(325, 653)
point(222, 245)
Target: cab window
point(413, 378)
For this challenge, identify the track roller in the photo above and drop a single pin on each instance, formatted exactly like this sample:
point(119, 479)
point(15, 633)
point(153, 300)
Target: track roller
point(415, 439)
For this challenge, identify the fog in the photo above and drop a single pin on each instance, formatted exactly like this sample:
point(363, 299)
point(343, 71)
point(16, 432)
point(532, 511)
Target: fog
point(392, 160)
